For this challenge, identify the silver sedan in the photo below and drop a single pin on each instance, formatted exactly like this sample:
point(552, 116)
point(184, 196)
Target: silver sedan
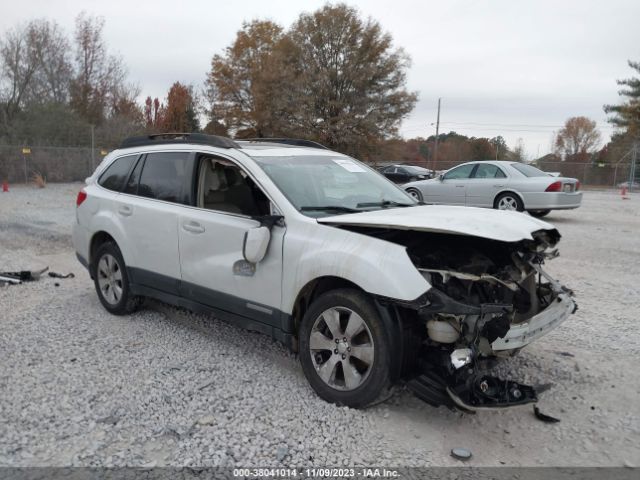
point(499, 184)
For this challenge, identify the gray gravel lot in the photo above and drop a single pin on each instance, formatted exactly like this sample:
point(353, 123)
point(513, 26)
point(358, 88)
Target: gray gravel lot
point(167, 387)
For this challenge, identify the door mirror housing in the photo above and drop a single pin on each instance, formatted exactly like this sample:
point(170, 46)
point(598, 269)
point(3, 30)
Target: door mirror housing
point(441, 177)
point(256, 242)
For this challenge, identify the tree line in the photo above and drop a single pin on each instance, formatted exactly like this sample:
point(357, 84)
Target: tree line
point(332, 76)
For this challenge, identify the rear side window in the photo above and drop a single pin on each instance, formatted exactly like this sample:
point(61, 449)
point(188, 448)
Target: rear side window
point(115, 175)
point(163, 177)
point(486, 170)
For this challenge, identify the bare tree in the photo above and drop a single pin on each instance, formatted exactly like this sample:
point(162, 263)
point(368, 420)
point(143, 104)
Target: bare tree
point(99, 77)
point(52, 52)
point(20, 63)
point(579, 136)
point(518, 153)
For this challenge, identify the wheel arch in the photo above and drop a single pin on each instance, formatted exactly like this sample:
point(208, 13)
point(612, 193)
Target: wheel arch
point(513, 192)
point(98, 239)
point(388, 312)
point(312, 290)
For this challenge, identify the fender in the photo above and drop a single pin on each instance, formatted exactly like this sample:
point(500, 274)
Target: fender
point(106, 221)
point(323, 251)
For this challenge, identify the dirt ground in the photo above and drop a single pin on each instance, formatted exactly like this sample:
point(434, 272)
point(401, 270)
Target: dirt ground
point(68, 369)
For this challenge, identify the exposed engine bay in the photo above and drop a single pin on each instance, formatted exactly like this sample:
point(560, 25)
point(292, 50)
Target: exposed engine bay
point(485, 293)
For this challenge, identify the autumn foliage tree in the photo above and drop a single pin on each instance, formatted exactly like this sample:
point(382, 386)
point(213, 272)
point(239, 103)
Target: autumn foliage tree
point(180, 112)
point(333, 77)
point(247, 83)
point(578, 138)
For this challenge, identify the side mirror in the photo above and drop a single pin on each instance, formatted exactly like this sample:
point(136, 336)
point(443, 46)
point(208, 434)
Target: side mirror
point(441, 177)
point(256, 242)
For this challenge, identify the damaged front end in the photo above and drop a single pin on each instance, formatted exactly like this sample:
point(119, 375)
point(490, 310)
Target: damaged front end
point(488, 298)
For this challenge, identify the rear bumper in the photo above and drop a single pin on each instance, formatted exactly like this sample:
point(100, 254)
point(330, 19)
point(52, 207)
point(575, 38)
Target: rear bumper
point(80, 238)
point(524, 333)
point(552, 200)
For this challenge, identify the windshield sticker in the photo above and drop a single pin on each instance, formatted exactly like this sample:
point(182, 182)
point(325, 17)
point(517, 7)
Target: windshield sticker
point(350, 166)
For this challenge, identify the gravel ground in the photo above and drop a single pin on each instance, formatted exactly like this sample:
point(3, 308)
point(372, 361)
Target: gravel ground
point(167, 387)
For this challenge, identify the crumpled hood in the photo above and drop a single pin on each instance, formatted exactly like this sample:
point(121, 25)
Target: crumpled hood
point(506, 226)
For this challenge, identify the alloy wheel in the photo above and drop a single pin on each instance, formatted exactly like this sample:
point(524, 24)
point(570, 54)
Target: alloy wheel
point(508, 203)
point(341, 348)
point(110, 279)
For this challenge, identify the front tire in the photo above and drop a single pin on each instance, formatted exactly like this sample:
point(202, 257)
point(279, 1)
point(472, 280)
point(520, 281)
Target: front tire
point(111, 280)
point(344, 350)
point(539, 213)
point(415, 193)
point(508, 201)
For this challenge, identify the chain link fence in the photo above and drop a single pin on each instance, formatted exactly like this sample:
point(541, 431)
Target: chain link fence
point(18, 164)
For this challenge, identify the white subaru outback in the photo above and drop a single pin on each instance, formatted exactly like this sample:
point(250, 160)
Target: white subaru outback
point(323, 253)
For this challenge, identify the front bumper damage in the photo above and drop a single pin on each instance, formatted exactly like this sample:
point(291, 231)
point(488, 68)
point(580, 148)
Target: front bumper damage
point(451, 375)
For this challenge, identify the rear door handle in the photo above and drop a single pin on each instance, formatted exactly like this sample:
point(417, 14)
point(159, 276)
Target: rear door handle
point(125, 211)
point(498, 186)
point(193, 227)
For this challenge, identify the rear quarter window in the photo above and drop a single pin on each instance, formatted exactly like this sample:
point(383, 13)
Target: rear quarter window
point(116, 174)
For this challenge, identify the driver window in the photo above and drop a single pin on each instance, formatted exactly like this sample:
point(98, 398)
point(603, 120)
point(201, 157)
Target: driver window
point(464, 171)
point(225, 187)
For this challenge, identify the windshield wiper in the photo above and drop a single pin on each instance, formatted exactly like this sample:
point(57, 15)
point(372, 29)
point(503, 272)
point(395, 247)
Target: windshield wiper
point(334, 208)
point(385, 204)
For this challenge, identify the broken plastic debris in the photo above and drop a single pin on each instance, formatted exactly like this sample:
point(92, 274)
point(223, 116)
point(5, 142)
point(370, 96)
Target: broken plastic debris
point(461, 453)
point(22, 276)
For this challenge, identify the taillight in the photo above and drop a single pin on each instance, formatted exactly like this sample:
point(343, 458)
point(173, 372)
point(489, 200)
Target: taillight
point(82, 196)
point(577, 185)
point(554, 187)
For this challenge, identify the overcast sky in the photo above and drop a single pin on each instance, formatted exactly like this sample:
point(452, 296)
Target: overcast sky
point(516, 68)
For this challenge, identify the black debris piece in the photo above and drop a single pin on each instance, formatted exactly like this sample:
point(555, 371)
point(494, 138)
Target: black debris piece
point(59, 275)
point(543, 417)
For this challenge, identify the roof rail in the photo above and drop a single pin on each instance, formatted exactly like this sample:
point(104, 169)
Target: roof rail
point(296, 142)
point(165, 138)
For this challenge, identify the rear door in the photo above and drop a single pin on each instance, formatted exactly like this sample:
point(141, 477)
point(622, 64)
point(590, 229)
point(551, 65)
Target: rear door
point(148, 208)
point(211, 237)
point(487, 181)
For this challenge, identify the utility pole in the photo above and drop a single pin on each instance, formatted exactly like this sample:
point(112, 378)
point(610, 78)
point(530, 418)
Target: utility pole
point(632, 169)
point(93, 163)
point(435, 148)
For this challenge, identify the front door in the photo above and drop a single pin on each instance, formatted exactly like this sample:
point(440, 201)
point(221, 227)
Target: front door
point(451, 189)
point(211, 237)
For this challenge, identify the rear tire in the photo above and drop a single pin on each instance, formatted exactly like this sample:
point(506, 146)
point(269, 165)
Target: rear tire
point(415, 193)
point(111, 280)
point(539, 213)
point(508, 201)
point(354, 370)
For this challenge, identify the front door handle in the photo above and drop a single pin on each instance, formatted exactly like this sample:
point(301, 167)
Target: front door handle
point(459, 186)
point(125, 210)
point(193, 227)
